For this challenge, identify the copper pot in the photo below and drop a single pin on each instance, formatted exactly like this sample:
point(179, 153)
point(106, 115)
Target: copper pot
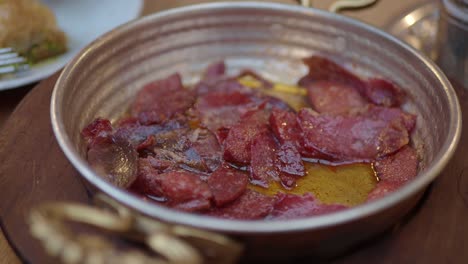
point(270, 39)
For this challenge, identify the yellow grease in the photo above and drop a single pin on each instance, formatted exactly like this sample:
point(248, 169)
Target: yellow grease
point(250, 81)
point(293, 95)
point(344, 184)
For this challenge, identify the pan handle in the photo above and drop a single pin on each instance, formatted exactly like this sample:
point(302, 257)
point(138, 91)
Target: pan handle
point(55, 224)
point(337, 6)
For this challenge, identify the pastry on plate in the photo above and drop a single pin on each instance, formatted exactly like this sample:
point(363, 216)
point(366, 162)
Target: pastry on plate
point(30, 28)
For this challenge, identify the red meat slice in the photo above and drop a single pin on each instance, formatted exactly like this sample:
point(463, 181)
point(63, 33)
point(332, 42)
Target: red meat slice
point(214, 71)
point(136, 133)
point(218, 99)
point(192, 161)
point(227, 184)
point(187, 159)
point(219, 110)
point(238, 143)
point(262, 164)
point(271, 102)
point(288, 181)
point(390, 114)
point(378, 91)
point(272, 162)
point(175, 147)
point(221, 134)
point(323, 69)
point(290, 206)
point(207, 146)
point(214, 79)
point(250, 206)
point(108, 155)
point(285, 127)
point(334, 97)
point(185, 191)
point(289, 164)
point(221, 104)
point(382, 189)
point(219, 84)
point(149, 142)
point(98, 128)
point(363, 136)
point(401, 166)
point(149, 164)
point(161, 99)
point(193, 150)
point(265, 83)
point(382, 92)
point(149, 180)
point(173, 139)
point(394, 171)
point(127, 121)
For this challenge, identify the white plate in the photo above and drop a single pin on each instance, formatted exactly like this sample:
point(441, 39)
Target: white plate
point(83, 21)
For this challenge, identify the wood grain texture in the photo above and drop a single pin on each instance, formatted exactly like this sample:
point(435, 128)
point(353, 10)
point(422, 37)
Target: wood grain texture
point(9, 100)
point(33, 168)
point(7, 255)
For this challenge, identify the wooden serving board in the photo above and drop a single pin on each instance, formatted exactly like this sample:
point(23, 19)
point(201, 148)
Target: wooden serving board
point(33, 169)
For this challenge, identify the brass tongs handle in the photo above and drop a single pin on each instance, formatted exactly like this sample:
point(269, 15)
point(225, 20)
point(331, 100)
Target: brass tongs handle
point(168, 244)
point(342, 4)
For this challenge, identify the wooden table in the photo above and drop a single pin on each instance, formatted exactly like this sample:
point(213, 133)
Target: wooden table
point(379, 15)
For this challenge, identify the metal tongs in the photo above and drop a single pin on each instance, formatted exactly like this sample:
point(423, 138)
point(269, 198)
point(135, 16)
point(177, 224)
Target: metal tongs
point(342, 4)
